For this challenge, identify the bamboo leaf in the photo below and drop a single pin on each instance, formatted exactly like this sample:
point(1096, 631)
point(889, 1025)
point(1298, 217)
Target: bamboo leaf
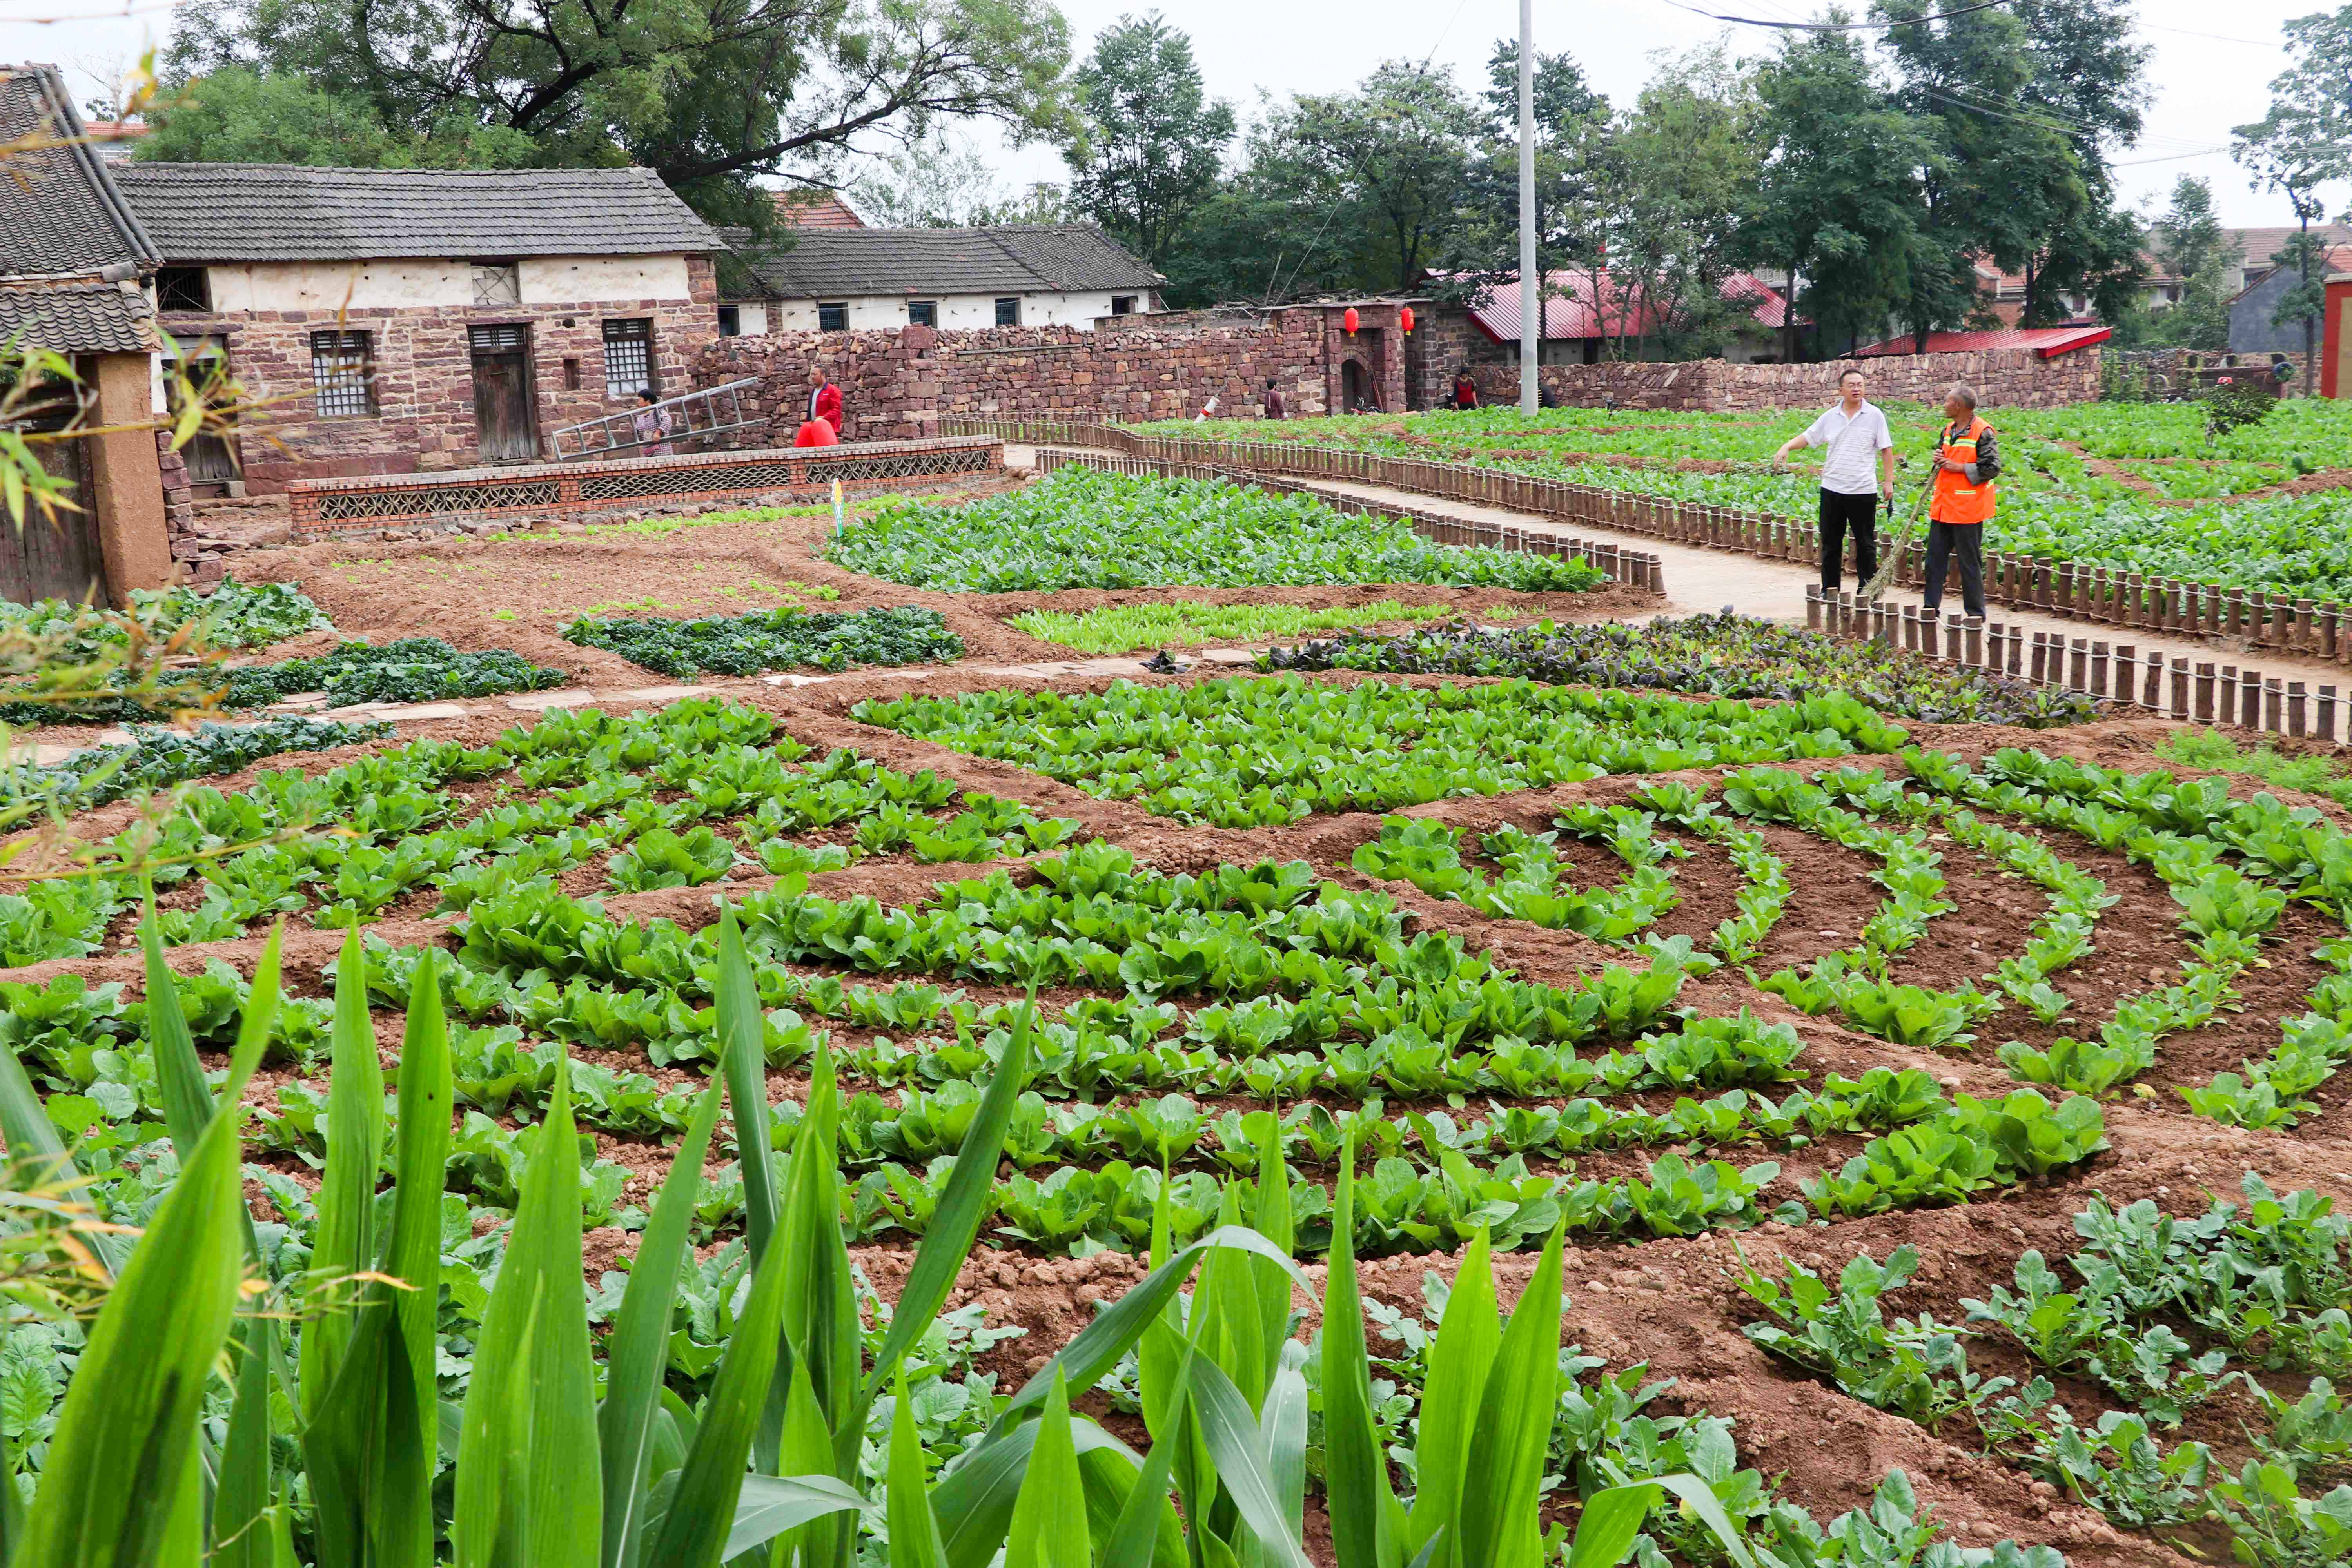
point(956, 1223)
point(121, 1486)
point(913, 1528)
point(1355, 1476)
point(1460, 1358)
point(1049, 1517)
point(638, 1352)
point(525, 1494)
point(1612, 1518)
point(1516, 1410)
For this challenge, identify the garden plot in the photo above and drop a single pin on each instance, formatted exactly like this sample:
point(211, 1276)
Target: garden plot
point(1391, 970)
point(2140, 487)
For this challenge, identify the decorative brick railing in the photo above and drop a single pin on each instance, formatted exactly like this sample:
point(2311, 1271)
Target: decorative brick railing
point(2127, 601)
point(399, 501)
point(1637, 567)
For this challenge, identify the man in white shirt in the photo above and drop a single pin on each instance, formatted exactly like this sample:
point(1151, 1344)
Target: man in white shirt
point(1858, 440)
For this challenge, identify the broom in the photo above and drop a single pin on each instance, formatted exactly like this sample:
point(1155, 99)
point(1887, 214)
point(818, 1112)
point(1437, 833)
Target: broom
point(1890, 558)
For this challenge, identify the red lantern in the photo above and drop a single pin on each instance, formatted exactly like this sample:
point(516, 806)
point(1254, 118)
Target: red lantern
point(1348, 319)
point(1404, 320)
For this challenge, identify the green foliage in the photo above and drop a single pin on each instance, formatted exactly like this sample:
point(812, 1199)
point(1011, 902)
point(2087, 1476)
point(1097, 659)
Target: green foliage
point(157, 759)
point(1183, 623)
point(774, 639)
point(1079, 528)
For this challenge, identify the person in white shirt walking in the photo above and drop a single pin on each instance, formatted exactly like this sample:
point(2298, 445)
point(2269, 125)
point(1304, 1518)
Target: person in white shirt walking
point(1856, 433)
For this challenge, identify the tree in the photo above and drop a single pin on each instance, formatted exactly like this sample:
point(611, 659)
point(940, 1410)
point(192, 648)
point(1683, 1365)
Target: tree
point(1154, 143)
point(236, 116)
point(2199, 252)
point(1689, 157)
point(1836, 200)
point(1573, 149)
point(708, 93)
point(943, 182)
point(2300, 146)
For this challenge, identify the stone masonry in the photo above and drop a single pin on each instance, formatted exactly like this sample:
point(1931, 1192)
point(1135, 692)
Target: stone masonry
point(422, 365)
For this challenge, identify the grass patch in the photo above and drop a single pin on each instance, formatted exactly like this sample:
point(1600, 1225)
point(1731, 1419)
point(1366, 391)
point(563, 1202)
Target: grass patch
point(1129, 628)
point(2213, 748)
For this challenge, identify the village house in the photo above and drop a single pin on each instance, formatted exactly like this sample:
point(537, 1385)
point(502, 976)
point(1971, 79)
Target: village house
point(1587, 312)
point(411, 319)
point(73, 261)
point(832, 279)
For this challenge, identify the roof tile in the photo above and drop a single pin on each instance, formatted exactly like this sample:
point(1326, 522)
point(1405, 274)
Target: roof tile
point(1013, 259)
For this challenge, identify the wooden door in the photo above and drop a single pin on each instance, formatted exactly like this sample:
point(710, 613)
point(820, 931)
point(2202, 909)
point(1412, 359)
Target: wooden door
point(211, 460)
point(502, 401)
point(55, 558)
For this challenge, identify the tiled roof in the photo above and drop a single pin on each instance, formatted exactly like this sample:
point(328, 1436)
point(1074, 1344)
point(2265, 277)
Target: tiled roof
point(57, 213)
point(1013, 259)
point(275, 212)
point(2257, 246)
point(815, 209)
point(79, 317)
point(2047, 342)
point(1578, 305)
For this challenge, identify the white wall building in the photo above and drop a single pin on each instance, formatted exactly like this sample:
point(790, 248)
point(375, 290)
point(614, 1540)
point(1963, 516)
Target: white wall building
point(869, 279)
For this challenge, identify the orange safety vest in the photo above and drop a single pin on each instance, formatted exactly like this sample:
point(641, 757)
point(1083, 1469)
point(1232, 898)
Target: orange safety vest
point(1957, 500)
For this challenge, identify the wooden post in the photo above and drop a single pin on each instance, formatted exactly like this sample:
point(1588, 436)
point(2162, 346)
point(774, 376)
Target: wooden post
point(1952, 638)
point(2040, 676)
point(1973, 626)
point(2078, 661)
point(2273, 704)
point(2098, 670)
point(2152, 696)
point(2295, 713)
point(2127, 673)
point(2227, 716)
point(2016, 647)
point(2328, 714)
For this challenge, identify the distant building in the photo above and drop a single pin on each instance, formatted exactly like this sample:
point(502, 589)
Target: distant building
point(2252, 308)
point(1585, 309)
point(414, 318)
point(840, 278)
point(815, 209)
point(2048, 343)
point(74, 261)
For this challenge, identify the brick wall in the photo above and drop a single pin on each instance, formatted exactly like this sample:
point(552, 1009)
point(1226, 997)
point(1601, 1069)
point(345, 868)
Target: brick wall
point(422, 366)
point(2004, 378)
point(194, 558)
point(899, 385)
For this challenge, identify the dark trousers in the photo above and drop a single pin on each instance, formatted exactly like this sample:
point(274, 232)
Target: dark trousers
point(1965, 541)
point(1840, 512)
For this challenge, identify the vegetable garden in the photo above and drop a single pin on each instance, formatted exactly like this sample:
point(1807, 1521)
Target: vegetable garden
point(1696, 1093)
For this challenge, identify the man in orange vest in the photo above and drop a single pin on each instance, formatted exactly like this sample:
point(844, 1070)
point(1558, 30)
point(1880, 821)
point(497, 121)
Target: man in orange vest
point(1966, 462)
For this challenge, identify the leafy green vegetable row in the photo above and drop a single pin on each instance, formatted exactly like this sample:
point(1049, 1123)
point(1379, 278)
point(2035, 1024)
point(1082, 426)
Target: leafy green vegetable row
point(783, 638)
point(1080, 528)
point(1250, 751)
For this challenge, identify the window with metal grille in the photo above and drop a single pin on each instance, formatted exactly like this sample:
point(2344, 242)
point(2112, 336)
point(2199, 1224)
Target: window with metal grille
point(1008, 312)
point(498, 283)
point(922, 312)
point(833, 318)
point(628, 358)
point(501, 340)
point(341, 377)
point(183, 289)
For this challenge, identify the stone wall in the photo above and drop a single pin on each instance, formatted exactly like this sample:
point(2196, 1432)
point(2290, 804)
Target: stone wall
point(2004, 378)
point(898, 385)
point(193, 561)
point(422, 362)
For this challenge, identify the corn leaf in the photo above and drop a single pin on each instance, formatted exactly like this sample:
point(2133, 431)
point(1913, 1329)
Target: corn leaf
point(243, 1523)
point(974, 1500)
point(956, 1223)
point(693, 1530)
point(421, 1158)
point(1516, 1413)
point(1355, 1475)
point(179, 1072)
point(770, 1505)
point(913, 1528)
point(122, 1487)
point(1230, 1427)
point(1468, 1336)
point(743, 1061)
point(525, 1494)
point(345, 1237)
point(1612, 1518)
point(638, 1352)
point(1283, 1427)
point(1136, 1536)
point(1049, 1517)
point(1699, 1496)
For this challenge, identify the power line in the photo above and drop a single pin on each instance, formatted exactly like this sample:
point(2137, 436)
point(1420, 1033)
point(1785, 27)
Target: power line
point(1837, 26)
point(2218, 37)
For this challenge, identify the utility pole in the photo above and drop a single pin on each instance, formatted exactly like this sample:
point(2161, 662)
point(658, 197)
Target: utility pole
point(1531, 283)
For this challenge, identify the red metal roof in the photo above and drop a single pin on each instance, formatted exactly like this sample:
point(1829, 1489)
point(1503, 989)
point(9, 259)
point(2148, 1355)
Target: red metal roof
point(2047, 342)
point(1581, 305)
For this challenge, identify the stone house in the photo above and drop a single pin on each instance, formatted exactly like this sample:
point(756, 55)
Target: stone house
point(841, 278)
point(73, 264)
point(407, 320)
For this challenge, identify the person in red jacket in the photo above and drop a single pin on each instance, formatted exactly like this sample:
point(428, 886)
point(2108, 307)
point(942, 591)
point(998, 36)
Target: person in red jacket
point(822, 427)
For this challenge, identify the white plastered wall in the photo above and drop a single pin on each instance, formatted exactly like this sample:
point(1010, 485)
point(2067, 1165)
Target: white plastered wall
point(425, 283)
point(882, 312)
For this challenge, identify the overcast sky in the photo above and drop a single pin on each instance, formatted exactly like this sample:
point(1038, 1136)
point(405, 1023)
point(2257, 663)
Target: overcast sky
point(2210, 71)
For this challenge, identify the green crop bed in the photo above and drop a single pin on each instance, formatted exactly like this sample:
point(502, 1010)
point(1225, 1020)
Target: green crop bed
point(1056, 1046)
point(1079, 528)
point(1243, 751)
point(2052, 504)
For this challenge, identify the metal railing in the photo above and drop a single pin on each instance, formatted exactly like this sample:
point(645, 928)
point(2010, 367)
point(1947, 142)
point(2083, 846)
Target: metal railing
point(719, 408)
